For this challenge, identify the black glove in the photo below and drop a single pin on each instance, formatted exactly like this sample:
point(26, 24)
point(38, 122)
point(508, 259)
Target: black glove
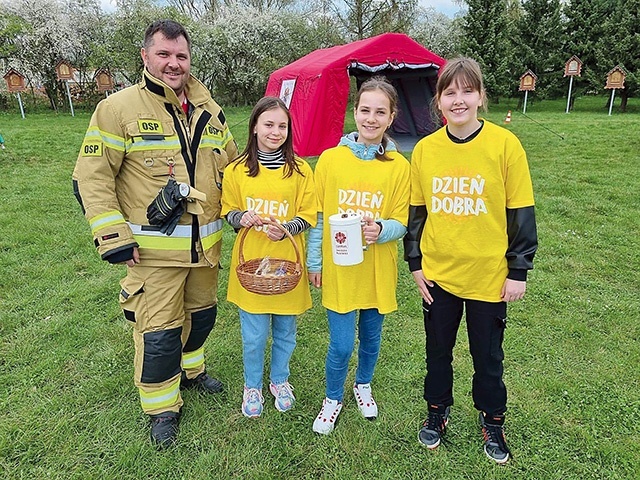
point(170, 223)
point(167, 208)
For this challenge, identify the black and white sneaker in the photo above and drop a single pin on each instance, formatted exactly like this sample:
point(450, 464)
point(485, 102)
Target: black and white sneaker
point(434, 426)
point(495, 443)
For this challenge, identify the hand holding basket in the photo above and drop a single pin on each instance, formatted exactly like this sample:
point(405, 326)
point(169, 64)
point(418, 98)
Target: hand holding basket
point(282, 276)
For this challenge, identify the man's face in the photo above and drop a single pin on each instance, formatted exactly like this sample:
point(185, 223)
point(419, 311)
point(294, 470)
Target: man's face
point(168, 61)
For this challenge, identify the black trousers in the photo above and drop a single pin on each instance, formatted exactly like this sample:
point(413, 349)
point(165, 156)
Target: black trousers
point(486, 322)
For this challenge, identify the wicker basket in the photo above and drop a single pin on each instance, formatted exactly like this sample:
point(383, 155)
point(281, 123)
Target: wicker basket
point(269, 284)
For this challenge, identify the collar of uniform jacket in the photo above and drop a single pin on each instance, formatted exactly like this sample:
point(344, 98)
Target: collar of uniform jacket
point(197, 93)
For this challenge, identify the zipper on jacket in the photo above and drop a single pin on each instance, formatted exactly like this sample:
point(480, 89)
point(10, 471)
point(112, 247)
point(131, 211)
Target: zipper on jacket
point(189, 147)
point(183, 135)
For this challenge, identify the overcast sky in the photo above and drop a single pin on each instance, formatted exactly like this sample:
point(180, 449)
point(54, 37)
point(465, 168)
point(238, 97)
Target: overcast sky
point(448, 7)
point(108, 5)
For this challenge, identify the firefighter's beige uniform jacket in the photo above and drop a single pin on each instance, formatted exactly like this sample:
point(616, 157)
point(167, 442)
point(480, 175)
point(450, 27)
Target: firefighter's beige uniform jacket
point(134, 138)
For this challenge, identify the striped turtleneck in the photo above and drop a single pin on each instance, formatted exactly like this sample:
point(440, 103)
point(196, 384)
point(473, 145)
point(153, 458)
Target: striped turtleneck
point(271, 160)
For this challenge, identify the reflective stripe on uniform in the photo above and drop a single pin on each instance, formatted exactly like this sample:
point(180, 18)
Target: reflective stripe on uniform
point(211, 233)
point(193, 359)
point(137, 144)
point(112, 141)
point(106, 219)
point(167, 397)
point(180, 239)
point(215, 141)
point(181, 231)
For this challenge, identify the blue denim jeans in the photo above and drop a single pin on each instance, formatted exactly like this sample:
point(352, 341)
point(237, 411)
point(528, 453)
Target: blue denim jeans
point(342, 337)
point(255, 331)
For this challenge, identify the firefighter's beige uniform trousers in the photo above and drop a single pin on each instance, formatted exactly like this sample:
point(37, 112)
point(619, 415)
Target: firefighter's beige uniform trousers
point(173, 310)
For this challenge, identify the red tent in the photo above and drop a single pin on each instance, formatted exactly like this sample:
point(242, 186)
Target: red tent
point(316, 87)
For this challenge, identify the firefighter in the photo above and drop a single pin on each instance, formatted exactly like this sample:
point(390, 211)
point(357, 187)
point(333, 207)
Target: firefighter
point(149, 178)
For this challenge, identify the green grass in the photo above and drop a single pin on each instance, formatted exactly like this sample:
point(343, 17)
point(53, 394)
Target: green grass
point(70, 410)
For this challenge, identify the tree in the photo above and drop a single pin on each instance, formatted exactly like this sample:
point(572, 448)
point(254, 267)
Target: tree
point(197, 9)
point(90, 31)
point(264, 6)
point(237, 49)
point(437, 32)
point(541, 44)
point(396, 17)
point(11, 27)
point(620, 45)
point(488, 32)
point(47, 38)
point(121, 51)
point(365, 18)
point(230, 56)
point(585, 24)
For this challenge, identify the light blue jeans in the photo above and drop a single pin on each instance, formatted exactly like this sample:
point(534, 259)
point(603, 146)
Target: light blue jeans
point(342, 337)
point(255, 331)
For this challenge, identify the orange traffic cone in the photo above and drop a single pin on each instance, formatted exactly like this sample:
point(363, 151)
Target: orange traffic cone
point(508, 119)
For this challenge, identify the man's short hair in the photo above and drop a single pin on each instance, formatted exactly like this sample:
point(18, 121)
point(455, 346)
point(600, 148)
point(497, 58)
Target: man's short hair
point(170, 29)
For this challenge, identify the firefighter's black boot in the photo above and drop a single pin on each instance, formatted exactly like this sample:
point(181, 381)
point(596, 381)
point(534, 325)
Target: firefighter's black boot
point(164, 429)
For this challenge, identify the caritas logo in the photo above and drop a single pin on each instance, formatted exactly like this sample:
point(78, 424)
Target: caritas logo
point(340, 238)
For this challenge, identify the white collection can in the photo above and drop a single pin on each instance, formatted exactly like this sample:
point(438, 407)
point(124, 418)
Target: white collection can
point(346, 238)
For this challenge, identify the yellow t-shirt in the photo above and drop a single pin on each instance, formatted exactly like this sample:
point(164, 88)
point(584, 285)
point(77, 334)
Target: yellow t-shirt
point(466, 188)
point(380, 189)
point(270, 193)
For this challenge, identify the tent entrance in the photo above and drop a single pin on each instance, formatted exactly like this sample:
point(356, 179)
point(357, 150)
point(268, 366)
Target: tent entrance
point(415, 85)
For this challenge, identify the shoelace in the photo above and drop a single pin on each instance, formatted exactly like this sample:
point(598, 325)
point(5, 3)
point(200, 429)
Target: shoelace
point(284, 390)
point(436, 422)
point(364, 393)
point(324, 408)
point(254, 396)
point(495, 434)
point(164, 419)
point(366, 396)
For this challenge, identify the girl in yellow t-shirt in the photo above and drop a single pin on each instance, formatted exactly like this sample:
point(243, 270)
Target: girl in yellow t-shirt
point(268, 181)
point(471, 240)
point(364, 175)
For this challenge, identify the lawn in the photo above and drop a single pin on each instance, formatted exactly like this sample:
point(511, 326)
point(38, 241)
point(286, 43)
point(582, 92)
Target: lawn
point(70, 410)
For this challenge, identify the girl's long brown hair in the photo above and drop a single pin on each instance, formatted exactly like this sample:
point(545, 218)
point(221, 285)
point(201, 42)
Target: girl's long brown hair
point(249, 155)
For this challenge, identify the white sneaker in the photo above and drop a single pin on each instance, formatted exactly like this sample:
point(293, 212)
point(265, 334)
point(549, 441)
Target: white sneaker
point(326, 419)
point(252, 402)
point(365, 401)
point(283, 393)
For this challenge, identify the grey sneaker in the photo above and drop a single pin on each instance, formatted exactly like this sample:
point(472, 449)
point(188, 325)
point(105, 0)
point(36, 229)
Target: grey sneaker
point(495, 443)
point(434, 426)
